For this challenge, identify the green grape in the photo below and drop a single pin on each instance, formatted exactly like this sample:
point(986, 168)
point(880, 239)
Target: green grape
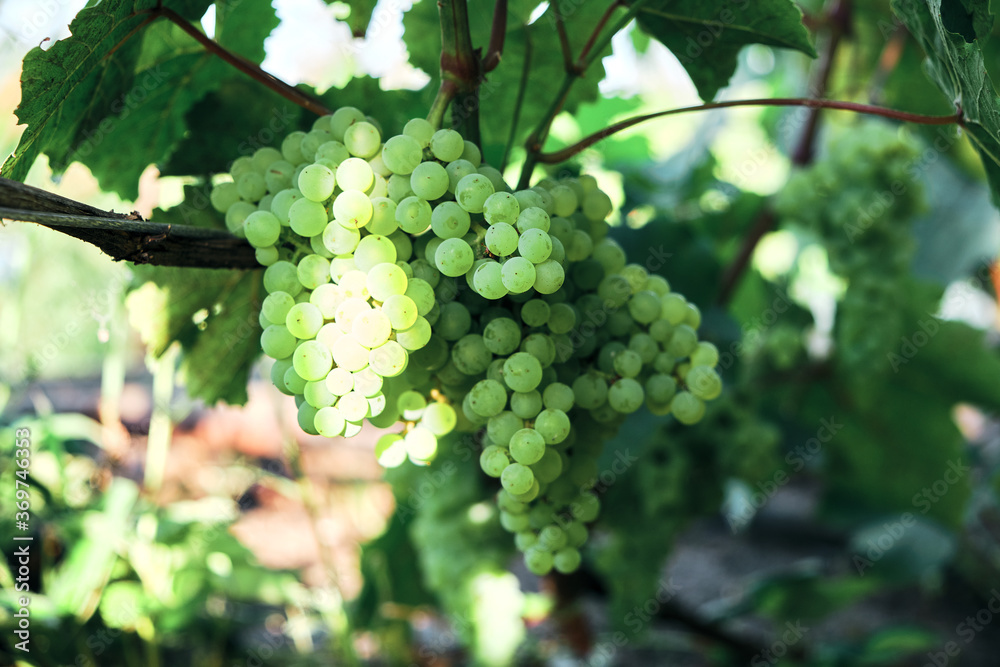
point(540, 347)
point(502, 427)
point(644, 307)
point(329, 422)
point(385, 280)
point(495, 177)
point(313, 271)
point(705, 355)
point(522, 372)
point(450, 221)
point(488, 398)
point(421, 130)
point(513, 523)
point(517, 274)
point(307, 218)
point(398, 187)
point(470, 356)
point(389, 359)
point(277, 342)
point(549, 277)
point(349, 354)
point(332, 151)
point(567, 560)
point(673, 308)
point(526, 404)
point(660, 388)
point(501, 239)
point(447, 145)
point(352, 209)
point(362, 139)
point(340, 240)
point(501, 207)
point(372, 250)
point(367, 382)
point(487, 280)
point(251, 186)
point(383, 220)
point(553, 425)
point(562, 318)
point(353, 406)
point(294, 382)
point(454, 322)
point(683, 342)
point(535, 312)
point(276, 305)
point(429, 181)
point(304, 320)
point(316, 183)
point(411, 404)
point(703, 382)
point(312, 361)
point(278, 371)
point(401, 311)
point(527, 446)
point(318, 395)
point(261, 229)
point(307, 418)
point(472, 192)
point(413, 215)
point(534, 245)
point(558, 396)
point(625, 396)
point(371, 328)
point(472, 153)
point(422, 294)
point(549, 468)
point(421, 444)
point(390, 450)
point(687, 408)
point(439, 418)
point(628, 363)
point(590, 391)
point(538, 561)
point(517, 478)
point(502, 336)
point(453, 257)
point(457, 170)
point(416, 336)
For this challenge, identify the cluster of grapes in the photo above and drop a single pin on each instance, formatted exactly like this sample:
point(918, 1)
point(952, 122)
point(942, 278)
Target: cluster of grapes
point(861, 200)
point(404, 279)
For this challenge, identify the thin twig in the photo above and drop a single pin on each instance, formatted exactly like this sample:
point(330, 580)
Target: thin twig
point(252, 70)
point(905, 116)
point(597, 31)
point(498, 33)
point(564, 47)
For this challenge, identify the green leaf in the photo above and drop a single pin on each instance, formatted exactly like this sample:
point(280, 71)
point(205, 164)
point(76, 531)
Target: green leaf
point(958, 68)
point(128, 143)
point(241, 26)
point(707, 36)
point(498, 92)
point(805, 596)
point(360, 16)
point(212, 313)
point(70, 88)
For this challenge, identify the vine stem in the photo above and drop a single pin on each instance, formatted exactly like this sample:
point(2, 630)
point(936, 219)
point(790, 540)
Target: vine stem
point(252, 70)
point(574, 71)
point(905, 116)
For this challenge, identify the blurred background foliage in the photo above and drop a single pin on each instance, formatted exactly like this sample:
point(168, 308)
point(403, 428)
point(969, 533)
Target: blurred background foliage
point(839, 506)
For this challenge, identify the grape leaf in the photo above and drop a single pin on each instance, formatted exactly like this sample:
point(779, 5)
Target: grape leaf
point(63, 86)
point(547, 70)
point(212, 313)
point(241, 26)
point(707, 36)
point(956, 65)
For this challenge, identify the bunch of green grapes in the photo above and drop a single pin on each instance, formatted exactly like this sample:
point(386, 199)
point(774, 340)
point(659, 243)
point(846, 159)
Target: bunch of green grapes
point(408, 284)
point(861, 199)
